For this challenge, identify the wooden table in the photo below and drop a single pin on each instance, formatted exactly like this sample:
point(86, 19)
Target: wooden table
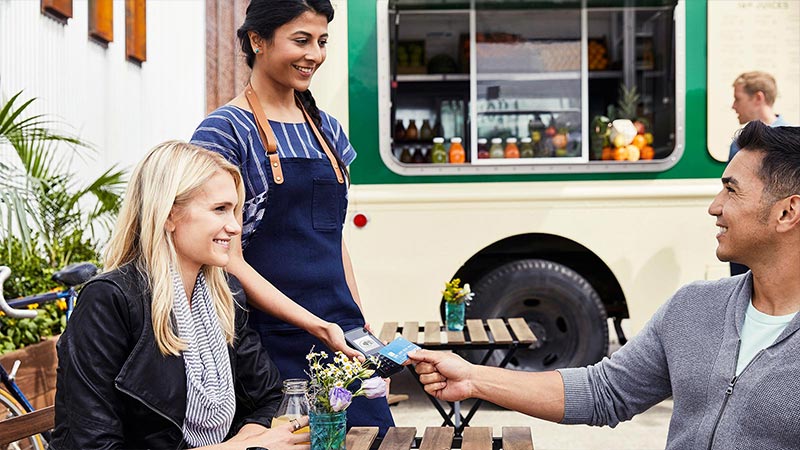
point(439, 438)
point(489, 335)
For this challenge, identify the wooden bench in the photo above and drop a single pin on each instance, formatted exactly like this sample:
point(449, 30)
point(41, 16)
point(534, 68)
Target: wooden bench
point(473, 438)
point(26, 425)
point(502, 335)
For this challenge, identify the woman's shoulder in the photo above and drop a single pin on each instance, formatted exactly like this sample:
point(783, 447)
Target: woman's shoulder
point(228, 115)
point(122, 283)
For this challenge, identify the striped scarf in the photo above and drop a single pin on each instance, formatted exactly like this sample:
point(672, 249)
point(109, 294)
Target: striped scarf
point(210, 398)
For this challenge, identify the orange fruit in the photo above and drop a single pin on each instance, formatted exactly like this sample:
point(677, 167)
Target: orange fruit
point(639, 141)
point(620, 154)
point(648, 152)
point(607, 154)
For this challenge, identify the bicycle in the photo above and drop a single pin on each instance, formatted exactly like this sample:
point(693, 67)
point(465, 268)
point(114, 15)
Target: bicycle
point(12, 400)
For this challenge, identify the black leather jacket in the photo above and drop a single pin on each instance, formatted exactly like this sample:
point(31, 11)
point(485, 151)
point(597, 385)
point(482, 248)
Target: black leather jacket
point(115, 390)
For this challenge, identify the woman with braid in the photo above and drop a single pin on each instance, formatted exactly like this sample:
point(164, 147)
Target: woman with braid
point(294, 265)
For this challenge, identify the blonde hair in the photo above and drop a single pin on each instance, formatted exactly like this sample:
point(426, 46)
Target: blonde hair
point(168, 177)
point(753, 82)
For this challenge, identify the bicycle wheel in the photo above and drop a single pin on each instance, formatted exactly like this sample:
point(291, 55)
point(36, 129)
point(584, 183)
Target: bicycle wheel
point(9, 408)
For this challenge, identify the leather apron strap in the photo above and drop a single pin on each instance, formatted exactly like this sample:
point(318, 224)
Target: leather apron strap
point(322, 142)
point(270, 142)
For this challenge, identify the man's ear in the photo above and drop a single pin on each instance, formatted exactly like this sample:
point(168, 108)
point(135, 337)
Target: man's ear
point(790, 214)
point(760, 97)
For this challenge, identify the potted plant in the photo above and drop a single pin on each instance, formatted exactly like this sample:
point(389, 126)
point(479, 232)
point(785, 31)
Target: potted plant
point(44, 225)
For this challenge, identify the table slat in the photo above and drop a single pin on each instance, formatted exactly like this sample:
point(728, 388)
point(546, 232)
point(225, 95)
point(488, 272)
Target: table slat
point(437, 438)
point(499, 331)
point(522, 330)
point(360, 438)
point(517, 438)
point(400, 438)
point(388, 332)
point(411, 332)
point(476, 438)
point(455, 337)
point(477, 335)
point(433, 335)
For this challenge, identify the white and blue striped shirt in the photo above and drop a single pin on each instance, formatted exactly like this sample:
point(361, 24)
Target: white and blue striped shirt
point(232, 132)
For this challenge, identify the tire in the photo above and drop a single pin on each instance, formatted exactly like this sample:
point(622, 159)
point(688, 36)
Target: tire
point(561, 307)
point(10, 408)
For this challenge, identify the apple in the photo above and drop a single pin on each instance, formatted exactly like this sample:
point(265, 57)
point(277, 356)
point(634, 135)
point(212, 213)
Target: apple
point(640, 129)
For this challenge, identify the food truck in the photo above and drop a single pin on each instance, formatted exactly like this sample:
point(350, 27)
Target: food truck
point(572, 179)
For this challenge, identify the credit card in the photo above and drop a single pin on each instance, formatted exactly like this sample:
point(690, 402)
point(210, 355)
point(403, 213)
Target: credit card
point(398, 350)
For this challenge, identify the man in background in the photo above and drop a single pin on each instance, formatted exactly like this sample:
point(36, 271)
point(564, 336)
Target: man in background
point(754, 94)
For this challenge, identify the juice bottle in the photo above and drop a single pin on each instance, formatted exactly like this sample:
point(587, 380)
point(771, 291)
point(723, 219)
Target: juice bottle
point(496, 150)
point(526, 149)
point(405, 155)
point(438, 153)
point(294, 403)
point(483, 149)
point(426, 133)
point(411, 132)
point(511, 150)
point(457, 153)
point(399, 131)
point(418, 156)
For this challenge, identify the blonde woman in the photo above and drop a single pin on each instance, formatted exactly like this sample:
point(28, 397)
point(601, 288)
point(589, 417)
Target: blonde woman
point(158, 353)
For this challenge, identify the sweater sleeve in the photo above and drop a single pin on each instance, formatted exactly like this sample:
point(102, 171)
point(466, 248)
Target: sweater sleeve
point(614, 390)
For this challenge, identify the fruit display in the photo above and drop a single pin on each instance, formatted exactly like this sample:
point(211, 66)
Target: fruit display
point(598, 58)
point(622, 136)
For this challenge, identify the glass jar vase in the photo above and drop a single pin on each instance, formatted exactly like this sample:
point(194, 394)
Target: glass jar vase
point(328, 430)
point(454, 316)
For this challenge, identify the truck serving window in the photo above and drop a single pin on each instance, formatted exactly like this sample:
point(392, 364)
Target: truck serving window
point(530, 86)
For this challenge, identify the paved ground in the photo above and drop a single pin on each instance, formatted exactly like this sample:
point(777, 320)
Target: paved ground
point(645, 432)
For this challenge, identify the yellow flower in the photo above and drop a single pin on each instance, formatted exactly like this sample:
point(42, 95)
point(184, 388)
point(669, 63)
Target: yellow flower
point(62, 304)
point(33, 306)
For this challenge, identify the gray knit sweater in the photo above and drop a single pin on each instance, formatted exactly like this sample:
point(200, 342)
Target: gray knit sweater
point(689, 350)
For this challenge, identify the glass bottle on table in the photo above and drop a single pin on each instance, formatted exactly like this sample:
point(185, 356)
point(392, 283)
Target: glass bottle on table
point(294, 403)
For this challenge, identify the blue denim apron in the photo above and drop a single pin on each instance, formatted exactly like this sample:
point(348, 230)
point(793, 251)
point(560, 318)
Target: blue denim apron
point(298, 248)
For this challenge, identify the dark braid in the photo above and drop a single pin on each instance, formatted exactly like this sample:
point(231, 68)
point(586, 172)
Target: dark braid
point(311, 106)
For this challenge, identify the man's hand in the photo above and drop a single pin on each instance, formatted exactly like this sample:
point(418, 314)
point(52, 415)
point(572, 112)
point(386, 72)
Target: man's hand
point(445, 375)
point(333, 336)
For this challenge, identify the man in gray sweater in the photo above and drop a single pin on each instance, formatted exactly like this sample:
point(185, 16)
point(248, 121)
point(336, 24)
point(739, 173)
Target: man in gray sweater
point(728, 351)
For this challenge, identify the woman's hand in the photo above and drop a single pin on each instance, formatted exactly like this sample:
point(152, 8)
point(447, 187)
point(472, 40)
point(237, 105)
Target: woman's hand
point(333, 336)
point(279, 438)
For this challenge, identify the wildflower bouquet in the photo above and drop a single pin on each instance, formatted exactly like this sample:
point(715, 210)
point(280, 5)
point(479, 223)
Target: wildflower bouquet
point(329, 389)
point(329, 395)
point(453, 293)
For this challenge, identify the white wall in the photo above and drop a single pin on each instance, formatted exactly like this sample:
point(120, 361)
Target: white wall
point(119, 107)
point(330, 83)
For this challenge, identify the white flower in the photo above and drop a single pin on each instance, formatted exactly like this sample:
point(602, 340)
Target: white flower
point(374, 387)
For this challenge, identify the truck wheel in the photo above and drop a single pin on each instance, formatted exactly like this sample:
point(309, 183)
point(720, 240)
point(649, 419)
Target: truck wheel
point(561, 307)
